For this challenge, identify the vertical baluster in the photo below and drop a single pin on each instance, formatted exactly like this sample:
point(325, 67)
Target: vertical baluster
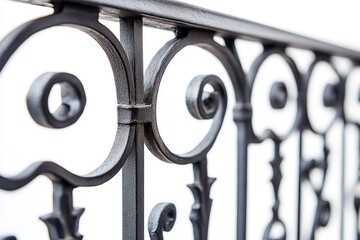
point(342, 181)
point(133, 170)
point(242, 118)
point(298, 231)
point(243, 135)
point(357, 191)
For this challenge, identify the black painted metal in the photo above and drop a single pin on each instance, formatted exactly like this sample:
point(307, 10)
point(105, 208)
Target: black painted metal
point(73, 100)
point(137, 96)
point(63, 222)
point(162, 218)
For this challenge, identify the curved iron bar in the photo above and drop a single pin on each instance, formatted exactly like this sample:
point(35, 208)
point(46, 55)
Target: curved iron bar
point(88, 23)
point(204, 105)
point(63, 222)
point(333, 95)
point(278, 98)
point(73, 100)
point(201, 105)
point(269, 228)
point(153, 78)
point(279, 90)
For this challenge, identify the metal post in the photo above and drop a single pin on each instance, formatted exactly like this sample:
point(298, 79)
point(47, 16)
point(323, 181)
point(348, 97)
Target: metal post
point(242, 179)
point(133, 170)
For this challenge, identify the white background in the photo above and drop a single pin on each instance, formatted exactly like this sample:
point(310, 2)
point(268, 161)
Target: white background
point(83, 146)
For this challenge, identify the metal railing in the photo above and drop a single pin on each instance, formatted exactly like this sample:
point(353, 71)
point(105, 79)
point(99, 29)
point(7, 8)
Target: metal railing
point(137, 96)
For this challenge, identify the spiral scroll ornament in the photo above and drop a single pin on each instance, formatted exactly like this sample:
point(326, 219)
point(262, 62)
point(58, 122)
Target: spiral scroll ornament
point(198, 108)
point(201, 104)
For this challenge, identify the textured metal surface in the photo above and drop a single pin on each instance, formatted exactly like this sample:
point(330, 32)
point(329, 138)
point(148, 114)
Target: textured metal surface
point(73, 100)
point(133, 170)
point(137, 125)
point(162, 218)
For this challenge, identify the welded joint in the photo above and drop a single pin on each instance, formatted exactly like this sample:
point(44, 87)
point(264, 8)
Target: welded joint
point(134, 114)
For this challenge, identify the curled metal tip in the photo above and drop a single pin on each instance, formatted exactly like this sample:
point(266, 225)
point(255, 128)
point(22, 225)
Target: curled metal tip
point(162, 218)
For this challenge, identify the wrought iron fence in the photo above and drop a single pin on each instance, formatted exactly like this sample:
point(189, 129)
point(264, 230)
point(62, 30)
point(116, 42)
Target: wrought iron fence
point(137, 125)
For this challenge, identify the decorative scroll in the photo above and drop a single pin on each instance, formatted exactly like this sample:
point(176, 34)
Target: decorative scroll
point(153, 77)
point(332, 98)
point(63, 222)
point(162, 218)
point(201, 105)
point(278, 99)
point(72, 17)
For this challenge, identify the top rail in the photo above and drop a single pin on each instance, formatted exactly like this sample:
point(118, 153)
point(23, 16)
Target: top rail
point(172, 14)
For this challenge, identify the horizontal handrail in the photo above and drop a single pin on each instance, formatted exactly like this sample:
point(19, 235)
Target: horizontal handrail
point(171, 14)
